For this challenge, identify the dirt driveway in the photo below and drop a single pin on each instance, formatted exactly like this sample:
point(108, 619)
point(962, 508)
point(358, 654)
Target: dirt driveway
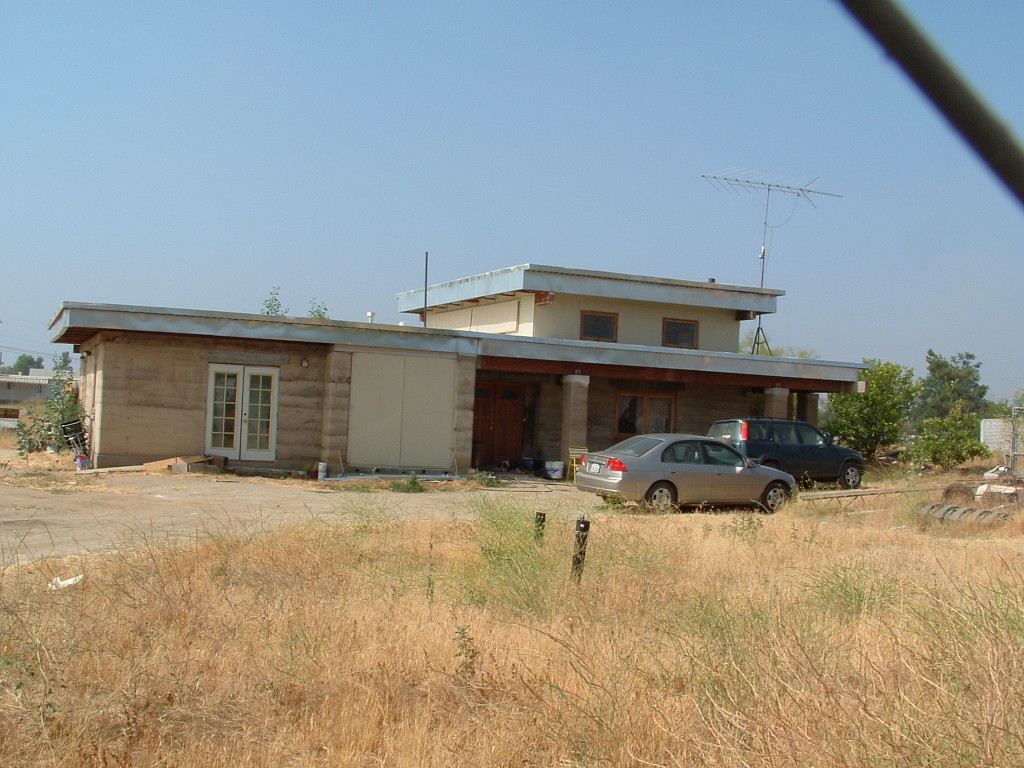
point(48, 509)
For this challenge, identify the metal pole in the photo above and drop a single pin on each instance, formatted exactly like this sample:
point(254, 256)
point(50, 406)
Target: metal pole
point(579, 555)
point(539, 521)
point(426, 270)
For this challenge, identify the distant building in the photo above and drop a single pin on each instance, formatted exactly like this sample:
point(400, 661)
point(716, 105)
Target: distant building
point(22, 389)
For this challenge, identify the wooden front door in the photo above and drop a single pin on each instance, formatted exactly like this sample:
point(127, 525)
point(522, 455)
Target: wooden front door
point(498, 423)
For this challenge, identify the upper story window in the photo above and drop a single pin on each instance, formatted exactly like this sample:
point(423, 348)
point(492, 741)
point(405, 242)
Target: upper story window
point(599, 326)
point(679, 333)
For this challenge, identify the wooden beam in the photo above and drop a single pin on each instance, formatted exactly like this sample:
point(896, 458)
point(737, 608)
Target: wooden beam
point(523, 365)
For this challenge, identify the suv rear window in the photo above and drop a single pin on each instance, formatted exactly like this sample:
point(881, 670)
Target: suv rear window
point(725, 430)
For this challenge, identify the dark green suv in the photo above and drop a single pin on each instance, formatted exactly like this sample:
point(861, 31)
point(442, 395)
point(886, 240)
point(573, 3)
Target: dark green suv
point(794, 447)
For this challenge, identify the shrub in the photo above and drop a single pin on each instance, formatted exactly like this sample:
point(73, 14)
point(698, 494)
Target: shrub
point(40, 428)
point(948, 441)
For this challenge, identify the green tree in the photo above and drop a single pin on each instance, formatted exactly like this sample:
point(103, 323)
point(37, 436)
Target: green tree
point(40, 428)
point(23, 364)
point(62, 362)
point(875, 418)
point(952, 381)
point(949, 440)
point(272, 304)
point(317, 308)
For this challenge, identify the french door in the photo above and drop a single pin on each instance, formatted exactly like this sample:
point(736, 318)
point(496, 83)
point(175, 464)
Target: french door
point(241, 412)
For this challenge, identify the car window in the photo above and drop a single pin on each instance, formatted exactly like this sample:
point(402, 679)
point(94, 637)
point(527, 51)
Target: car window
point(724, 430)
point(757, 430)
point(682, 453)
point(722, 455)
point(634, 446)
point(786, 433)
point(809, 435)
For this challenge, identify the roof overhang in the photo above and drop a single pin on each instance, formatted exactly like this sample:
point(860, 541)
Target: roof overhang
point(76, 323)
point(542, 278)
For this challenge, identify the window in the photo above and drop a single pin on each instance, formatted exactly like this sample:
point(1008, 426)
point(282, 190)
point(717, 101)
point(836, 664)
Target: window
point(637, 414)
point(683, 453)
point(679, 333)
point(809, 435)
point(599, 326)
point(723, 455)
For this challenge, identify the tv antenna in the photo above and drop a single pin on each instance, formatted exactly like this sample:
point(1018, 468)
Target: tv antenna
point(730, 183)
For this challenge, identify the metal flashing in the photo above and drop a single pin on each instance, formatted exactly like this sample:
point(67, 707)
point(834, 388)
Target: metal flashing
point(544, 278)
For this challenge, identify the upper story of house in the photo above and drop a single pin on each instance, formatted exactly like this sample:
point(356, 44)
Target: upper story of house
point(542, 301)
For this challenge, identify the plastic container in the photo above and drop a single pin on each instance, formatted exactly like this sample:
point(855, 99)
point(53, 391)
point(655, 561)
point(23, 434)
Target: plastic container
point(321, 471)
point(555, 469)
point(81, 462)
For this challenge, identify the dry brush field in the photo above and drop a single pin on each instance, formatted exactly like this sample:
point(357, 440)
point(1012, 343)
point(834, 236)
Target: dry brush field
point(820, 636)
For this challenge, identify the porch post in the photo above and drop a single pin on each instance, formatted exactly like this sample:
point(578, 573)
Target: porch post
point(807, 407)
point(776, 402)
point(575, 389)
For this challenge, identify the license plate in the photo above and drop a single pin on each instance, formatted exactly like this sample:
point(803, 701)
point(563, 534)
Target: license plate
point(593, 468)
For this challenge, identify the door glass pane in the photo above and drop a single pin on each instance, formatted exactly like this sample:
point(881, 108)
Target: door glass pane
point(260, 399)
point(225, 404)
point(629, 414)
point(659, 414)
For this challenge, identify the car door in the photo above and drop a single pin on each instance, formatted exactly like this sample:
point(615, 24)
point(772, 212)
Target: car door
point(733, 482)
point(788, 448)
point(683, 465)
point(818, 455)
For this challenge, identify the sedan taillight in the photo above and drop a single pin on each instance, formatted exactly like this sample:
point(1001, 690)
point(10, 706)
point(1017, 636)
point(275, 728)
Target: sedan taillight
point(614, 465)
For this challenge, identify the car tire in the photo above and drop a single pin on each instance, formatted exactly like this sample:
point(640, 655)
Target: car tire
point(774, 497)
point(849, 476)
point(661, 497)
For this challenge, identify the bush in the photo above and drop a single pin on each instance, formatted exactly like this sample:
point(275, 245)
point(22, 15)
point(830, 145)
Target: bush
point(949, 440)
point(39, 428)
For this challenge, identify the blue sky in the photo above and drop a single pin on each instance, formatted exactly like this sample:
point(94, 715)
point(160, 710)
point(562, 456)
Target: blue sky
point(198, 154)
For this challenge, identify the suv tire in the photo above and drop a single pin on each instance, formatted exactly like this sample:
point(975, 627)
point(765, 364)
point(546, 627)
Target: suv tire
point(849, 476)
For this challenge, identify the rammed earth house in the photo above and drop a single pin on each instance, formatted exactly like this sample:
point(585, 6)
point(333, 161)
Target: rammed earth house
point(521, 362)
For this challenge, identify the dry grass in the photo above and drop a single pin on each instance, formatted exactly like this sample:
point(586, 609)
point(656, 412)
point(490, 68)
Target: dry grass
point(813, 637)
point(8, 440)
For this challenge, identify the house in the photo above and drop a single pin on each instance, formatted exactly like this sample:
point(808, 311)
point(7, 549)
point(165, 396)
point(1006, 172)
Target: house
point(16, 388)
point(527, 361)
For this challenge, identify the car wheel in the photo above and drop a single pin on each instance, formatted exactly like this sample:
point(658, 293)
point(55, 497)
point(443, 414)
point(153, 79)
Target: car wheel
point(850, 476)
point(774, 497)
point(661, 497)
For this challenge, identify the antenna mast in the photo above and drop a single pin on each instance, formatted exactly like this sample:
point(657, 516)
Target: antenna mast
point(730, 183)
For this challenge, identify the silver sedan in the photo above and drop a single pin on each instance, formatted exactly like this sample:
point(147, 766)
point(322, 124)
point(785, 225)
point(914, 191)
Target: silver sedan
point(669, 470)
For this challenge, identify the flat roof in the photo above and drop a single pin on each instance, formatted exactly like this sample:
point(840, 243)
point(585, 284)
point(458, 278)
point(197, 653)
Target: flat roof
point(77, 322)
point(544, 278)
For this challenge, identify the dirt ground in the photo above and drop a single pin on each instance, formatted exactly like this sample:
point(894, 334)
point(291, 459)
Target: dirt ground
point(48, 509)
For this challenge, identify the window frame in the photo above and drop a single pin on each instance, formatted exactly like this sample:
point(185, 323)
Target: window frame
point(664, 335)
point(596, 312)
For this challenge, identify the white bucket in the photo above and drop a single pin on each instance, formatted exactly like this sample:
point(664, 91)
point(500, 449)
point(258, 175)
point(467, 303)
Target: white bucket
point(555, 469)
point(321, 470)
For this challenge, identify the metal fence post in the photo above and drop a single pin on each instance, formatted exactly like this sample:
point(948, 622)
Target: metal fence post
point(539, 520)
point(579, 555)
